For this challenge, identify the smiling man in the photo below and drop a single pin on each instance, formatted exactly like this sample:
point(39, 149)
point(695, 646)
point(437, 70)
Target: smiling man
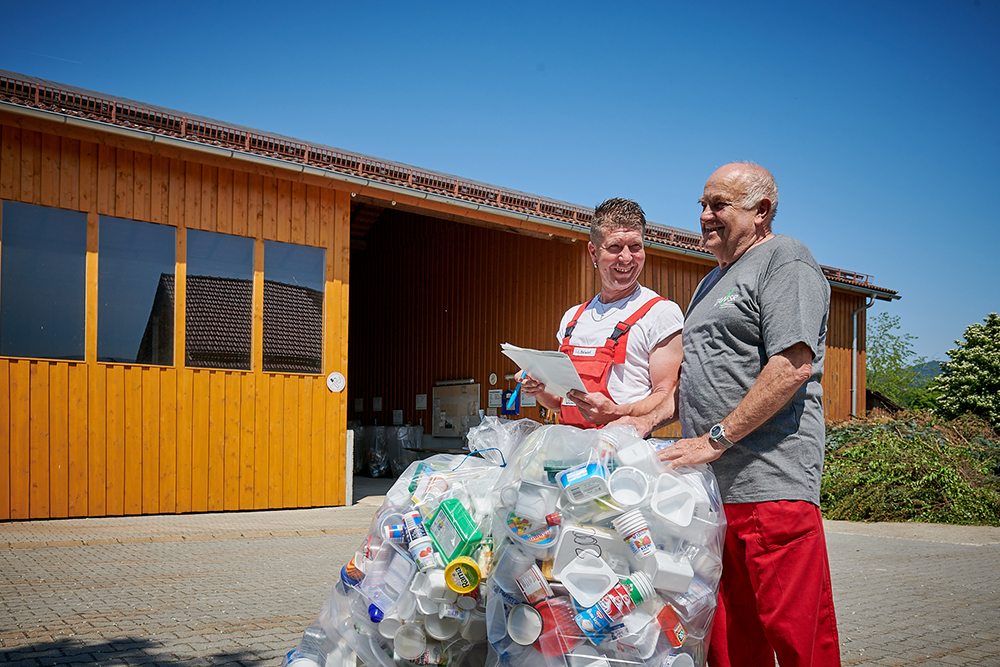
point(751, 403)
point(625, 342)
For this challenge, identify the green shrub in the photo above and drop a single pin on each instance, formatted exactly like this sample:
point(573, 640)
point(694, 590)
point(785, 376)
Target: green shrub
point(913, 468)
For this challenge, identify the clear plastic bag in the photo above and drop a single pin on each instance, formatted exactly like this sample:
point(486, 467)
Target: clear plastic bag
point(583, 550)
point(414, 593)
point(402, 443)
point(603, 556)
point(377, 447)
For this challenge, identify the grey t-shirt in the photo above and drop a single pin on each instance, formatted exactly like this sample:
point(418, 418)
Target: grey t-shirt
point(771, 298)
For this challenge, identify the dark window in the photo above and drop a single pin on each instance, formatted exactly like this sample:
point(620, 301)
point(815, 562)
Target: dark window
point(43, 282)
point(135, 292)
point(293, 307)
point(219, 300)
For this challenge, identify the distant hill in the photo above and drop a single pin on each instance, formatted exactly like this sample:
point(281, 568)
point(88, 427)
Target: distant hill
point(927, 370)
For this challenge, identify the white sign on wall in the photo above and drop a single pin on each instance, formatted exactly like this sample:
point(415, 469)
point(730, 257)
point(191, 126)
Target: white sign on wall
point(495, 398)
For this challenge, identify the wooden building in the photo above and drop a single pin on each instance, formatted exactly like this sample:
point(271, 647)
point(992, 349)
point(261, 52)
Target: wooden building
point(158, 349)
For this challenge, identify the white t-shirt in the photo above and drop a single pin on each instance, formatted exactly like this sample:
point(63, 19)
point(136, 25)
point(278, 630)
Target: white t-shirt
point(629, 382)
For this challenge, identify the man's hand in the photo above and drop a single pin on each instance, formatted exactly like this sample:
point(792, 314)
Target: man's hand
point(532, 387)
point(596, 407)
point(691, 451)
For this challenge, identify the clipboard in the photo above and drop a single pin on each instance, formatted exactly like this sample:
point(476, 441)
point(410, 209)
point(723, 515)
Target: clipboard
point(553, 369)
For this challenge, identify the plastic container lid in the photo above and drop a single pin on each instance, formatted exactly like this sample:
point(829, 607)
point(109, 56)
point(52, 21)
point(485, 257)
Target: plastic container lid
point(389, 626)
point(462, 575)
point(410, 642)
point(524, 624)
point(628, 486)
point(441, 628)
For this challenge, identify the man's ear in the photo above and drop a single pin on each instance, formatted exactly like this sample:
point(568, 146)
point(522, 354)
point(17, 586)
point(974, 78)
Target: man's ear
point(592, 249)
point(763, 210)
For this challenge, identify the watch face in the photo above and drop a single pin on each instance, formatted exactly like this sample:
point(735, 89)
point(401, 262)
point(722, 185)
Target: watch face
point(716, 432)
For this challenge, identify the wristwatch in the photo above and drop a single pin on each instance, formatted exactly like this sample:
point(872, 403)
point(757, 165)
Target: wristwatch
point(718, 434)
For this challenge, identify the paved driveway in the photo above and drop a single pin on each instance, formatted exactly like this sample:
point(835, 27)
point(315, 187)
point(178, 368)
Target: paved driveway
point(239, 588)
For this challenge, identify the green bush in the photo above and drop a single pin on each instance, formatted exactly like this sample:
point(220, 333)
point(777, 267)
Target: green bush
point(913, 468)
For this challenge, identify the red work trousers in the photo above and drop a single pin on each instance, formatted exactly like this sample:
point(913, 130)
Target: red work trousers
point(775, 596)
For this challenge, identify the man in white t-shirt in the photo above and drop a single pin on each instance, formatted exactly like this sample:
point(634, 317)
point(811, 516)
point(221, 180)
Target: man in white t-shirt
point(625, 342)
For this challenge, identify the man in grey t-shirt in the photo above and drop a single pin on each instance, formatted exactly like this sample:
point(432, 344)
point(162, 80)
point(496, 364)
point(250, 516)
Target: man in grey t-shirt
point(751, 403)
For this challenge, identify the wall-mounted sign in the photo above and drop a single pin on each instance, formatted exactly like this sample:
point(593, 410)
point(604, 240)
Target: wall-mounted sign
point(397, 417)
point(495, 398)
point(335, 382)
point(359, 404)
point(421, 401)
point(377, 404)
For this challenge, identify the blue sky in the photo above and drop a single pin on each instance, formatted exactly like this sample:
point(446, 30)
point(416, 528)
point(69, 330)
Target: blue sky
point(878, 119)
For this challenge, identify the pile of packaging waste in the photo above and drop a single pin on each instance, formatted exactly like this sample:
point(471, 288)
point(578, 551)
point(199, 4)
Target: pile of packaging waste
point(558, 547)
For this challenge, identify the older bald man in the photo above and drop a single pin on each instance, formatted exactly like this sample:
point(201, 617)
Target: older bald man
point(751, 403)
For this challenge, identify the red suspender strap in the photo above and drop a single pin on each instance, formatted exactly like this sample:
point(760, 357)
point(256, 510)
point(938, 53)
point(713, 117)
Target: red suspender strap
point(620, 334)
point(572, 323)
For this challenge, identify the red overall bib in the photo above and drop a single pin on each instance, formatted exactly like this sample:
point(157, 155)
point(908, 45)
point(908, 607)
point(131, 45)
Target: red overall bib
point(594, 363)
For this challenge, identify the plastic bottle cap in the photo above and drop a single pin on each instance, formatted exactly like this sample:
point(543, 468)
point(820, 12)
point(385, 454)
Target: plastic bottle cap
point(554, 519)
point(375, 614)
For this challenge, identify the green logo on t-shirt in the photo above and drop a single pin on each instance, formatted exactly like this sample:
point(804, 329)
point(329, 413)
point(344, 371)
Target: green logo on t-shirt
point(727, 301)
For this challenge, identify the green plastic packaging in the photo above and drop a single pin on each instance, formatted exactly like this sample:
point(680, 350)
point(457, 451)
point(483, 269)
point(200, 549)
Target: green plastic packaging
point(453, 530)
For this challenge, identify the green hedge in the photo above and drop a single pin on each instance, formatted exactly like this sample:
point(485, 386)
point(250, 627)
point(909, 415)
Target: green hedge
point(914, 467)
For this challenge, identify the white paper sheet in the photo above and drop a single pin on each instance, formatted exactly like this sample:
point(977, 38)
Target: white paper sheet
point(553, 369)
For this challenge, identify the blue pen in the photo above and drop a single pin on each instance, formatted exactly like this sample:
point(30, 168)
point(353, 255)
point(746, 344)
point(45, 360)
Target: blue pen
point(513, 397)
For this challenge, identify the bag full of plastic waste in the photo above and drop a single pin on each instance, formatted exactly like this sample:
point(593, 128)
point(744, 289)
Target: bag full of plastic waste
point(414, 593)
point(601, 555)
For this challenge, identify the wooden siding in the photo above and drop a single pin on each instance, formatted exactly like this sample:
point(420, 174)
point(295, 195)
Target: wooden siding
point(94, 439)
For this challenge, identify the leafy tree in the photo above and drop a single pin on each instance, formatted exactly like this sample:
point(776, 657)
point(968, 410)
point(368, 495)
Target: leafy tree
point(970, 382)
point(890, 360)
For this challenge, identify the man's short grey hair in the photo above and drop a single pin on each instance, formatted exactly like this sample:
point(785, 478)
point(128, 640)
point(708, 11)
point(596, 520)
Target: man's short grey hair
point(758, 184)
point(616, 213)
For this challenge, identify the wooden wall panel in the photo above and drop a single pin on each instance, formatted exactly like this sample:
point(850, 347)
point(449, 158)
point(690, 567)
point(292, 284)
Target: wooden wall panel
point(134, 429)
point(58, 417)
point(185, 438)
point(38, 443)
point(78, 454)
point(10, 163)
point(247, 422)
point(233, 397)
point(5, 479)
point(150, 425)
point(167, 445)
point(20, 424)
point(217, 441)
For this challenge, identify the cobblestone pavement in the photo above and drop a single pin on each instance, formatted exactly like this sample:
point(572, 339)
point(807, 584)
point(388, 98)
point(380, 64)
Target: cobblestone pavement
point(240, 588)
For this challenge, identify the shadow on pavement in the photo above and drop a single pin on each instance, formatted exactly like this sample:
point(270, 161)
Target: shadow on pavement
point(365, 487)
point(118, 651)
